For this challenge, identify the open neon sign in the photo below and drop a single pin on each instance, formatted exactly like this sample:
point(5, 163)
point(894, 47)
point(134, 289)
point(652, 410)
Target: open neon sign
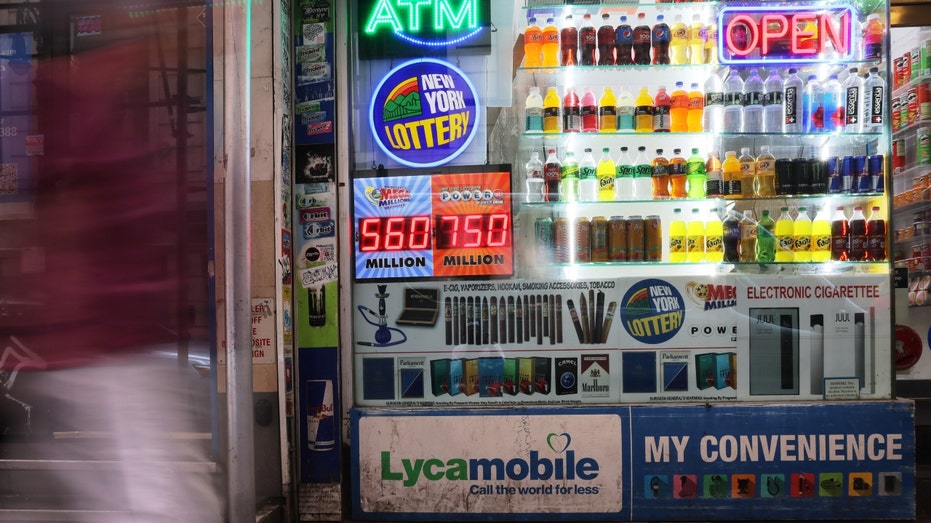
point(786, 34)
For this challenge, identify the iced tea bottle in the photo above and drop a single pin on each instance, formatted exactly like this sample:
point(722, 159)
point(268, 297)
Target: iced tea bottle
point(660, 176)
point(747, 172)
point(677, 175)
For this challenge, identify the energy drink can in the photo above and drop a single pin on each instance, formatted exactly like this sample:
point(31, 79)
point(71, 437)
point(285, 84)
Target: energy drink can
point(617, 239)
point(834, 167)
point(321, 424)
point(876, 170)
point(859, 174)
point(635, 238)
point(819, 175)
point(543, 234)
point(653, 238)
point(846, 174)
point(561, 240)
point(599, 239)
point(583, 240)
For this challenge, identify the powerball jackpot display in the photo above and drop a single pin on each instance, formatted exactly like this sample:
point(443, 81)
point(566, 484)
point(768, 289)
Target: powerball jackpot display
point(620, 261)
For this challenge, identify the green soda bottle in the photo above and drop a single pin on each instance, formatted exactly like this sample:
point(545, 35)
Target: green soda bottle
point(695, 175)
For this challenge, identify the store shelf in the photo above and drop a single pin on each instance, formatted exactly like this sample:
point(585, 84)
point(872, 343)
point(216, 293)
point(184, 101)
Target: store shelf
point(652, 268)
point(910, 129)
point(911, 83)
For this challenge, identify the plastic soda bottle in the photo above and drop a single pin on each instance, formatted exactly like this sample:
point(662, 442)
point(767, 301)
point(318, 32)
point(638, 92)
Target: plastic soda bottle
point(858, 235)
point(534, 110)
point(802, 231)
point(696, 111)
point(813, 106)
point(624, 43)
point(747, 172)
point(571, 112)
point(661, 38)
point(748, 234)
point(872, 38)
point(679, 109)
point(569, 182)
point(875, 236)
point(568, 42)
point(821, 236)
point(642, 40)
point(660, 176)
point(534, 178)
point(711, 44)
point(605, 173)
point(695, 175)
point(714, 183)
point(533, 44)
point(677, 174)
point(606, 36)
point(607, 111)
point(714, 238)
point(662, 111)
point(626, 109)
point(713, 118)
point(677, 237)
point(733, 102)
point(765, 238)
point(697, 35)
point(792, 102)
point(552, 174)
point(785, 237)
point(678, 42)
point(731, 175)
point(695, 238)
point(643, 112)
point(552, 113)
point(764, 181)
point(643, 176)
point(550, 43)
point(731, 226)
point(588, 41)
point(589, 112)
point(588, 178)
point(624, 176)
point(840, 236)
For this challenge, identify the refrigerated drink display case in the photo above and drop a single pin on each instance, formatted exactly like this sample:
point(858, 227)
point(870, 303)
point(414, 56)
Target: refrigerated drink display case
point(653, 298)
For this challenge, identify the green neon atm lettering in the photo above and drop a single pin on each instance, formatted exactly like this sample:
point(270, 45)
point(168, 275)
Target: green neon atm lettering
point(444, 15)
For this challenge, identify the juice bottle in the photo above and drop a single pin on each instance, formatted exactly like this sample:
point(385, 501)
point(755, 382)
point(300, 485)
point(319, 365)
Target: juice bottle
point(714, 183)
point(821, 237)
point(568, 43)
point(660, 40)
point(872, 38)
point(694, 117)
point(571, 112)
point(748, 234)
point(569, 182)
point(785, 237)
point(677, 175)
point(679, 109)
point(643, 176)
point(552, 173)
point(696, 175)
point(588, 41)
point(711, 44)
point(660, 176)
point(714, 238)
point(695, 238)
point(534, 110)
point(624, 176)
point(624, 43)
point(626, 109)
point(875, 236)
point(677, 237)
point(747, 172)
point(589, 112)
point(606, 36)
point(588, 177)
point(607, 111)
point(730, 175)
point(840, 236)
point(731, 226)
point(642, 40)
point(662, 110)
point(802, 231)
point(765, 238)
point(697, 35)
point(551, 111)
point(605, 172)
point(533, 43)
point(643, 113)
point(678, 42)
point(858, 237)
point(550, 44)
point(764, 182)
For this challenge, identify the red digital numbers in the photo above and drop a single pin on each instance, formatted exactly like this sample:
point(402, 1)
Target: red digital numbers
point(465, 231)
point(395, 233)
point(413, 233)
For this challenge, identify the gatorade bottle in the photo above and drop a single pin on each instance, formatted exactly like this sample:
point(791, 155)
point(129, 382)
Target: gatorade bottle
point(679, 42)
point(765, 238)
point(552, 115)
point(696, 113)
point(624, 43)
point(802, 231)
point(534, 110)
point(730, 175)
point(821, 237)
point(605, 173)
point(568, 43)
point(552, 173)
point(872, 38)
point(533, 44)
point(714, 238)
point(589, 112)
point(697, 35)
point(624, 176)
point(747, 172)
point(714, 183)
point(588, 178)
point(677, 175)
point(571, 112)
point(679, 109)
point(840, 236)
point(642, 36)
point(607, 111)
point(731, 237)
point(569, 182)
point(662, 110)
point(626, 109)
point(588, 41)
point(785, 237)
point(660, 176)
point(643, 174)
point(695, 238)
point(875, 236)
point(711, 44)
point(764, 183)
point(696, 176)
point(550, 44)
point(858, 235)
point(643, 113)
point(661, 37)
point(748, 234)
point(677, 237)
point(606, 36)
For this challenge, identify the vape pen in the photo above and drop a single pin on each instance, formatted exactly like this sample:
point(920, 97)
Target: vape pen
point(519, 320)
point(546, 321)
point(599, 317)
point(448, 319)
point(586, 321)
point(532, 331)
point(463, 336)
point(859, 346)
point(817, 353)
point(456, 321)
point(470, 321)
point(502, 319)
point(493, 319)
point(526, 318)
point(552, 320)
point(559, 318)
point(484, 320)
point(591, 315)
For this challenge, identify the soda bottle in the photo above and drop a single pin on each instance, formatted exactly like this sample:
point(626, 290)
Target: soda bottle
point(853, 101)
point(550, 43)
point(813, 106)
point(588, 41)
point(874, 100)
point(626, 110)
point(714, 238)
point(662, 109)
point(695, 175)
point(606, 36)
point(792, 102)
point(605, 173)
point(748, 234)
point(696, 111)
point(840, 236)
point(833, 105)
point(643, 174)
point(552, 113)
point(534, 110)
point(731, 235)
point(764, 182)
point(872, 38)
point(875, 236)
point(571, 112)
point(858, 238)
point(624, 43)
point(821, 236)
point(714, 183)
point(785, 237)
point(568, 42)
point(772, 103)
point(569, 182)
point(552, 174)
point(643, 114)
point(711, 44)
point(677, 175)
point(679, 109)
point(747, 172)
point(624, 177)
point(677, 237)
point(733, 102)
point(588, 178)
point(765, 238)
point(730, 176)
point(607, 111)
point(533, 44)
point(753, 103)
point(661, 37)
point(679, 42)
point(802, 231)
point(660, 176)
point(713, 118)
point(697, 37)
point(642, 35)
point(589, 112)
point(534, 178)
point(695, 238)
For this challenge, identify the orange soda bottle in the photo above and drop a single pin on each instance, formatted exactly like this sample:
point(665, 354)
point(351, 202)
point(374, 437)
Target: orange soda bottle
point(679, 109)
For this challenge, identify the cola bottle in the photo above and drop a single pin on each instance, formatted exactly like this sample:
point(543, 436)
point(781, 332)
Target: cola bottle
point(588, 41)
point(642, 40)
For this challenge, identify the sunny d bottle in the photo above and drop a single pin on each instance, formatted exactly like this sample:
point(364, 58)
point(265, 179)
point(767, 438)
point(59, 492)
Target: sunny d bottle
point(678, 187)
point(662, 111)
point(733, 102)
point(568, 43)
point(588, 41)
point(714, 238)
point(643, 114)
point(874, 114)
point(571, 112)
point(624, 176)
point(607, 111)
point(764, 182)
point(643, 176)
point(748, 234)
point(853, 101)
point(660, 177)
point(550, 46)
point(766, 238)
point(534, 110)
point(875, 236)
point(731, 227)
point(533, 44)
point(642, 40)
point(552, 112)
point(606, 36)
point(588, 179)
point(730, 176)
point(695, 175)
point(624, 43)
point(695, 238)
point(821, 237)
point(678, 42)
point(792, 102)
point(552, 174)
point(858, 235)
point(802, 231)
point(677, 237)
point(773, 109)
point(589, 111)
point(679, 109)
point(747, 172)
point(569, 180)
point(696, 112)
point(713, 118)
point(626, 110)
point(752, 121)
point(534, 178)
point(605, 172)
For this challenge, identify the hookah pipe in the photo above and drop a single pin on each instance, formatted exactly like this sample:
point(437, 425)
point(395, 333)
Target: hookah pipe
point(383, 334)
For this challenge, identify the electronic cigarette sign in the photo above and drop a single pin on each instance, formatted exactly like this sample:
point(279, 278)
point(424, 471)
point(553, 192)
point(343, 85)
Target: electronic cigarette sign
point(450, 224)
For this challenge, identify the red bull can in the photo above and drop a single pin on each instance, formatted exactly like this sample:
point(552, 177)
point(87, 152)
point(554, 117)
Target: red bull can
point(321, 422)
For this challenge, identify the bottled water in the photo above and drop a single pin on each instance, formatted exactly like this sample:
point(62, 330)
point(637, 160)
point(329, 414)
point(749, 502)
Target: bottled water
point(733, 103)
point(772, 103)
point(792, 102)
point(874, 102)
point(813, 106)
point(753, 103)
point(833, 105)
point(853, 102)
point(713, 117)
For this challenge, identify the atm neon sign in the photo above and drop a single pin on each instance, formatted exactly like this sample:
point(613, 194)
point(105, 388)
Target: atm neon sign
point(786, 34)
point(411, 18)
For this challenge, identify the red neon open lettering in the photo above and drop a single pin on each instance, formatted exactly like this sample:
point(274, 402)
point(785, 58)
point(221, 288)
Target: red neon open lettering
point(733, 38)
point(768, 23)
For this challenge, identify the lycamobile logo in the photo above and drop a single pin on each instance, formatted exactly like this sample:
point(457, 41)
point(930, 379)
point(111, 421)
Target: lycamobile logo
point(535, 467)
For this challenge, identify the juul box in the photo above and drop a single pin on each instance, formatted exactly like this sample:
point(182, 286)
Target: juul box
point(774, 336)
point(845, 345)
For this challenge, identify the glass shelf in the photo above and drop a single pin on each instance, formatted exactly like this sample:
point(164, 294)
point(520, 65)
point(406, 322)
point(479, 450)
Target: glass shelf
point(911, 83)
point(541, 134)
point(645, 268)
point(686, 201)
point(910, 128)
